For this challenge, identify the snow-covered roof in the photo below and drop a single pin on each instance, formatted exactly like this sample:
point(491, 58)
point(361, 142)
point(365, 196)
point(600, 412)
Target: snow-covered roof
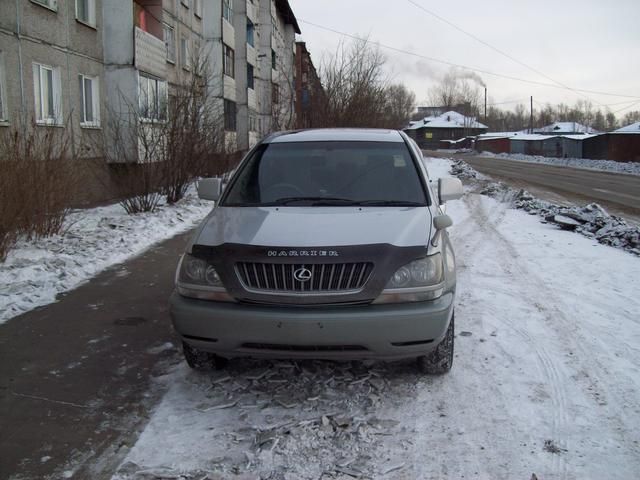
point(449, 119)
point(565, 127)
point(580, 136)
point(533, 136)
point(633, 128)
point(489, 135)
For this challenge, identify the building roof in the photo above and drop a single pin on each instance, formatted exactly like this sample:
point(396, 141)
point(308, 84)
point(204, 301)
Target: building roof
point(285, 10)
point(565, 127)
point(533, 137)
point(336, 135)
point(449, 119)
point(633, 128)
point(491, 135)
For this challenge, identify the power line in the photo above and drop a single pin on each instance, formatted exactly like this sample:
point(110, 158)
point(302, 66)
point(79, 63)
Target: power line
point(458, 65)
point(519, 62)
point(625, 108)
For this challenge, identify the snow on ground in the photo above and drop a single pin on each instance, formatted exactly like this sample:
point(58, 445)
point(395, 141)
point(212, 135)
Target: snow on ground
point(545, 380)
point(590, 220)
point(632, 168)
point(35, 272)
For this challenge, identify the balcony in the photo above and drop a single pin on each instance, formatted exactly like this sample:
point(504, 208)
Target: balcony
point(150, 53)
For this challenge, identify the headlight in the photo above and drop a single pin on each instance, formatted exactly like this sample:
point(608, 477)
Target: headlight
point(196, 278)
point(196, 271)
point(419, 273)
point(418, 281)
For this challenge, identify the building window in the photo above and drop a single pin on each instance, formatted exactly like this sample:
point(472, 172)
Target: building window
point(229, 115)
point(89, 101)
point(274, 59)
point(170, 42)
point(275, 93)
point(250, 76)
point(47, 94)
point(229, 59)
point(152, 98)
point(184, 53)
point(52, 4)
point(86, 11)
point(197, 8)
point(250, 33)
point(227, 11)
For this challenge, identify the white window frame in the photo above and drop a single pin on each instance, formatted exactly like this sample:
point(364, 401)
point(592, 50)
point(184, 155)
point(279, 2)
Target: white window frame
point(167, 44)
point(95, 101)
point(228, 61)
point(227, 11)
point(4, 113)
point(91, 13)
point(159, 111)
point(185, 51)
point(50, 4)
point(55, 116)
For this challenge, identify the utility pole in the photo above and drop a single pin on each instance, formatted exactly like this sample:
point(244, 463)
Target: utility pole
point(485, 105)
point(531, 117)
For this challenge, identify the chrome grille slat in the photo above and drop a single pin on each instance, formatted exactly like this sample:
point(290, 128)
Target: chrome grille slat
point(325, 277)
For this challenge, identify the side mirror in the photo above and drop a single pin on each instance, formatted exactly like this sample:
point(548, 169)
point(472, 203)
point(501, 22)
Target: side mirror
point(442, 222)
point(209, 188)
point(449, 189)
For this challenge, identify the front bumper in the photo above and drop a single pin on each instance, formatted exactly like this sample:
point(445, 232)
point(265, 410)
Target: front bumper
point(391, 331)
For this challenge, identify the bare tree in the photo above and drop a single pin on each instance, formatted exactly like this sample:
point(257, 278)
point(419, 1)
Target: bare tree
point(37, 184)
point(157, 149)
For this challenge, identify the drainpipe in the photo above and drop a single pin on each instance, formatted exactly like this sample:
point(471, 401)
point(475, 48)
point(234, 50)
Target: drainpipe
point(23, 106)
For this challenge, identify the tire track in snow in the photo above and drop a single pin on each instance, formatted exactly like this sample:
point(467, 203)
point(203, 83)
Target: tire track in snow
point(487, 223)
point(580, 354)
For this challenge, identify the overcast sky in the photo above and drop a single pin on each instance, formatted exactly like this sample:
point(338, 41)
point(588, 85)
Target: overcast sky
point(588, 44)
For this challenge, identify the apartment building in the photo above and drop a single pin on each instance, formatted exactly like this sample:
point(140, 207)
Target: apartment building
point(251, 53)
point(309, 91)
point(51, 68)
point(86, 64)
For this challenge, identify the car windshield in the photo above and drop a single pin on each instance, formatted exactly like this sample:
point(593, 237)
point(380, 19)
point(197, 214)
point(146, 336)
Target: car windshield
point(328, 174)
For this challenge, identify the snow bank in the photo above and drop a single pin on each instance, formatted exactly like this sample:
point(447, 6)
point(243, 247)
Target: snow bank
point(591, 220)
point(632, 168)
point(35, 272)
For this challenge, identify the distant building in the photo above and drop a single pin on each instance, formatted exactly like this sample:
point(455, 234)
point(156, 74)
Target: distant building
point(309, 91)
point(430, 132)
point(622, 145)
point(565, 128)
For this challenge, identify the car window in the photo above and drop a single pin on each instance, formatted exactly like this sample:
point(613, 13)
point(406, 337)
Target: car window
point(329, 173)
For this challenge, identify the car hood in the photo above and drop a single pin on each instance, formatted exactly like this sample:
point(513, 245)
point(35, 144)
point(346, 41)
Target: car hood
point(316, 226)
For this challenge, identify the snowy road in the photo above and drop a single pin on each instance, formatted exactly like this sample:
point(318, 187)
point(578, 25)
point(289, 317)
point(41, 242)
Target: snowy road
point(545, 380)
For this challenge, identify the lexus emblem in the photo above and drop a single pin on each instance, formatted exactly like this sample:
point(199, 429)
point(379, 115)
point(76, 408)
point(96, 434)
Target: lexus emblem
point(302, 274)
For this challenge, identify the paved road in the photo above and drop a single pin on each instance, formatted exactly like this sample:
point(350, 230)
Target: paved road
point(78, 377)
point(609, 188)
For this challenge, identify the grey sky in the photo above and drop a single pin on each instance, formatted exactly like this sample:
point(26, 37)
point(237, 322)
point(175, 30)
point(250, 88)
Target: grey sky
point(588, 44)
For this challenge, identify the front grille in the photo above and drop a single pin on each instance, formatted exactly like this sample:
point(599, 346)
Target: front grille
point(304, 348)
point(325, 278)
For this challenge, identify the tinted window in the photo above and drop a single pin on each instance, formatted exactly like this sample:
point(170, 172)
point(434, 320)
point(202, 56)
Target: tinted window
point(328, 173)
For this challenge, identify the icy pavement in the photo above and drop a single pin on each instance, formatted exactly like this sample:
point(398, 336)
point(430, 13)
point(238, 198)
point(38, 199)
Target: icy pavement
point(35, 272)
point(545, 380)
point(632, 168)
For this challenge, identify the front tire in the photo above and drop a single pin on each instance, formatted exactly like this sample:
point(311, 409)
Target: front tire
point(439, 360)
point(199, 360)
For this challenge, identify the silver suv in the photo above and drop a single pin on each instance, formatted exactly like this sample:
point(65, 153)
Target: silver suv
point(326, 244)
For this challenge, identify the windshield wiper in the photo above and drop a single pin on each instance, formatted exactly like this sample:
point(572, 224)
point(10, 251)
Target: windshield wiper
point(391, 203)
point(315, 201)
